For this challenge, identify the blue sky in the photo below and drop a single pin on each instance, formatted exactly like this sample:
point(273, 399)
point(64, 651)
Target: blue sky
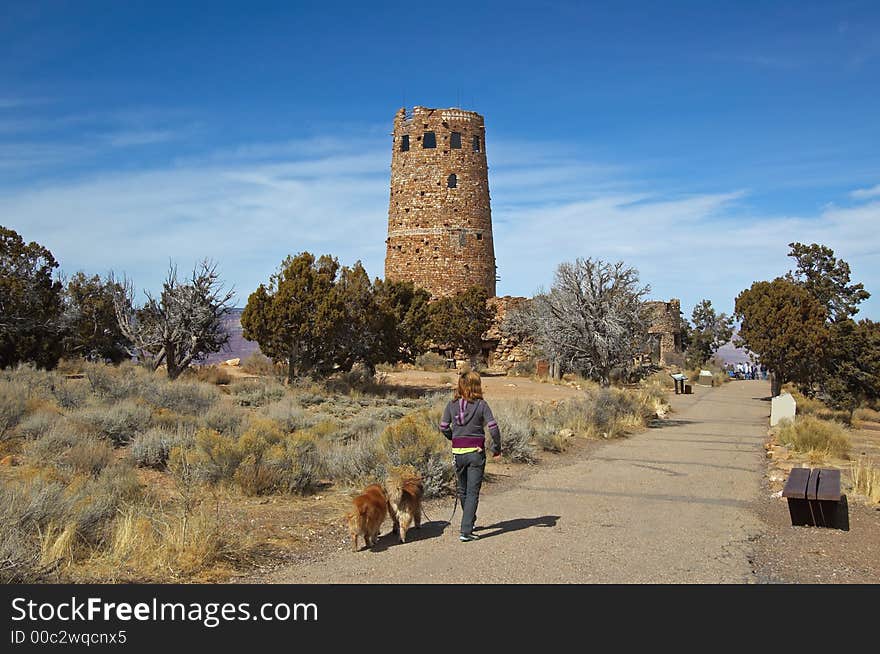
point(694, 141)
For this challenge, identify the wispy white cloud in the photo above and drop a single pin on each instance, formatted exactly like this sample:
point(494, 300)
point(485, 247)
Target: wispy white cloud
point(130, 138)
point(251, 206)
point(865, 193)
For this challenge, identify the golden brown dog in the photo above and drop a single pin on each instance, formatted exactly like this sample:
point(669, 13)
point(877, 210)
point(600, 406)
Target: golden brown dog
point(404, 489)
point(367, 516)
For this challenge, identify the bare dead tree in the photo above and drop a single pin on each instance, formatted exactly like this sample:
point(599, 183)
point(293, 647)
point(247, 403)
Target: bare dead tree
point(183, 325)
point(592, 321)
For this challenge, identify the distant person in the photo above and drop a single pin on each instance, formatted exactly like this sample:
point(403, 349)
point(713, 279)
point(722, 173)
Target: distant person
point(463, 422)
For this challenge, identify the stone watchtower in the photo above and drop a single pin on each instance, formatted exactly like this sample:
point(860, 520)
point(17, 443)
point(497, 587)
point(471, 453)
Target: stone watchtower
point(439, 220)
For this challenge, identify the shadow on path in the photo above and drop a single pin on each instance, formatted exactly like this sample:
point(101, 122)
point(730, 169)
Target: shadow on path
point(427, 531)
point(517, 524)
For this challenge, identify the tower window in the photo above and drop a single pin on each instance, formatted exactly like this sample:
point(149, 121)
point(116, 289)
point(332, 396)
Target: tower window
point(462, 238)
point(476, 144)
point(479, 237)
point(404, 143)
point(452, 181)
point(429, 140)
point(455, 140)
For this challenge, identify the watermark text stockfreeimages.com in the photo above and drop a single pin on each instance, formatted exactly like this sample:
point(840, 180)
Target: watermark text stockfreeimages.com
point(209, 614)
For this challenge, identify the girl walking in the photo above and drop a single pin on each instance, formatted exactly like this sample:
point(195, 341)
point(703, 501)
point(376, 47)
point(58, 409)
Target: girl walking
point(463, 421)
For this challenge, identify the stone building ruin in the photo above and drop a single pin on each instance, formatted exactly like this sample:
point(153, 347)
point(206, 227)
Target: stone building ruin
point(665, 331)
point(440, 225)
point(439, 219)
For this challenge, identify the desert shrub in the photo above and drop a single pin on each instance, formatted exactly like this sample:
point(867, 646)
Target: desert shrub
point(29, 380)
point(210, 375)
point(362, 426)
point(213, 458)
point(325, 428)
point(256, 393)
point(171, 420)
point(37, 424)
point(71, 393)
point(49, 448)
point(808, 433)
point(88, 456)
point(184, 397)
point(126, 380)
point(388, 413)
point(814, 406)
point(12, 407)
point(152, 448)
point(355, 461)
point(224, 418)
point(558, 441)
point(258, 364)
point(357, 380)
point(524, 368)
point(431, 361)
point(518, 427)
point(296, 462)
point(288, 413)
point(414, 440)
point(314, 399)
point(73, 366)
point(118, 422)
point(261, 434)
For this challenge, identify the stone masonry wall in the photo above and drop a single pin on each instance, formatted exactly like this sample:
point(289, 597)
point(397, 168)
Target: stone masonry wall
point(440, 229)
point(666, 324)
point(503, 352)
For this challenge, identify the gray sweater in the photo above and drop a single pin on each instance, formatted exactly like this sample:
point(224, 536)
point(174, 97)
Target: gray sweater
point(463, 422)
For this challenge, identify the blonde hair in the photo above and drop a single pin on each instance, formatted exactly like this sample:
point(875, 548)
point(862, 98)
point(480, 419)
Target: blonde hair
point(469, 386)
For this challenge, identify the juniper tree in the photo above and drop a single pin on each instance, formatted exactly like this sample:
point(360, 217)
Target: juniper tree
point(784, 325)
point(30, 303)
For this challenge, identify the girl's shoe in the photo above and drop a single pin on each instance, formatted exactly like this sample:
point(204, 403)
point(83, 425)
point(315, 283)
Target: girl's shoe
point(464, 538)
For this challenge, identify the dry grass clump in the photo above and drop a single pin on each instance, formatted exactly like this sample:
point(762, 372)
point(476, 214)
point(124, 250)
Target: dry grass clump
point(866, 414)
point(866, 479)
point(258, 364)
point(12, 407)
point(50, 524)
point(808, 434)
point(148, 544)
point(812, 406)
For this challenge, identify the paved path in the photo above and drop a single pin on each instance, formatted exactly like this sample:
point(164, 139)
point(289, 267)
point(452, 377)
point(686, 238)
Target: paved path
point(670, 505)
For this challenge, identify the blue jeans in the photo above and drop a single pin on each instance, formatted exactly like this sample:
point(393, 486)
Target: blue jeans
point(469, 469)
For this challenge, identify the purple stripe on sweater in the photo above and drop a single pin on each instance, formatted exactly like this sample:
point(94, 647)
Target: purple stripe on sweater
point(467, 441)
point(492, 424)
point(444, 425)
